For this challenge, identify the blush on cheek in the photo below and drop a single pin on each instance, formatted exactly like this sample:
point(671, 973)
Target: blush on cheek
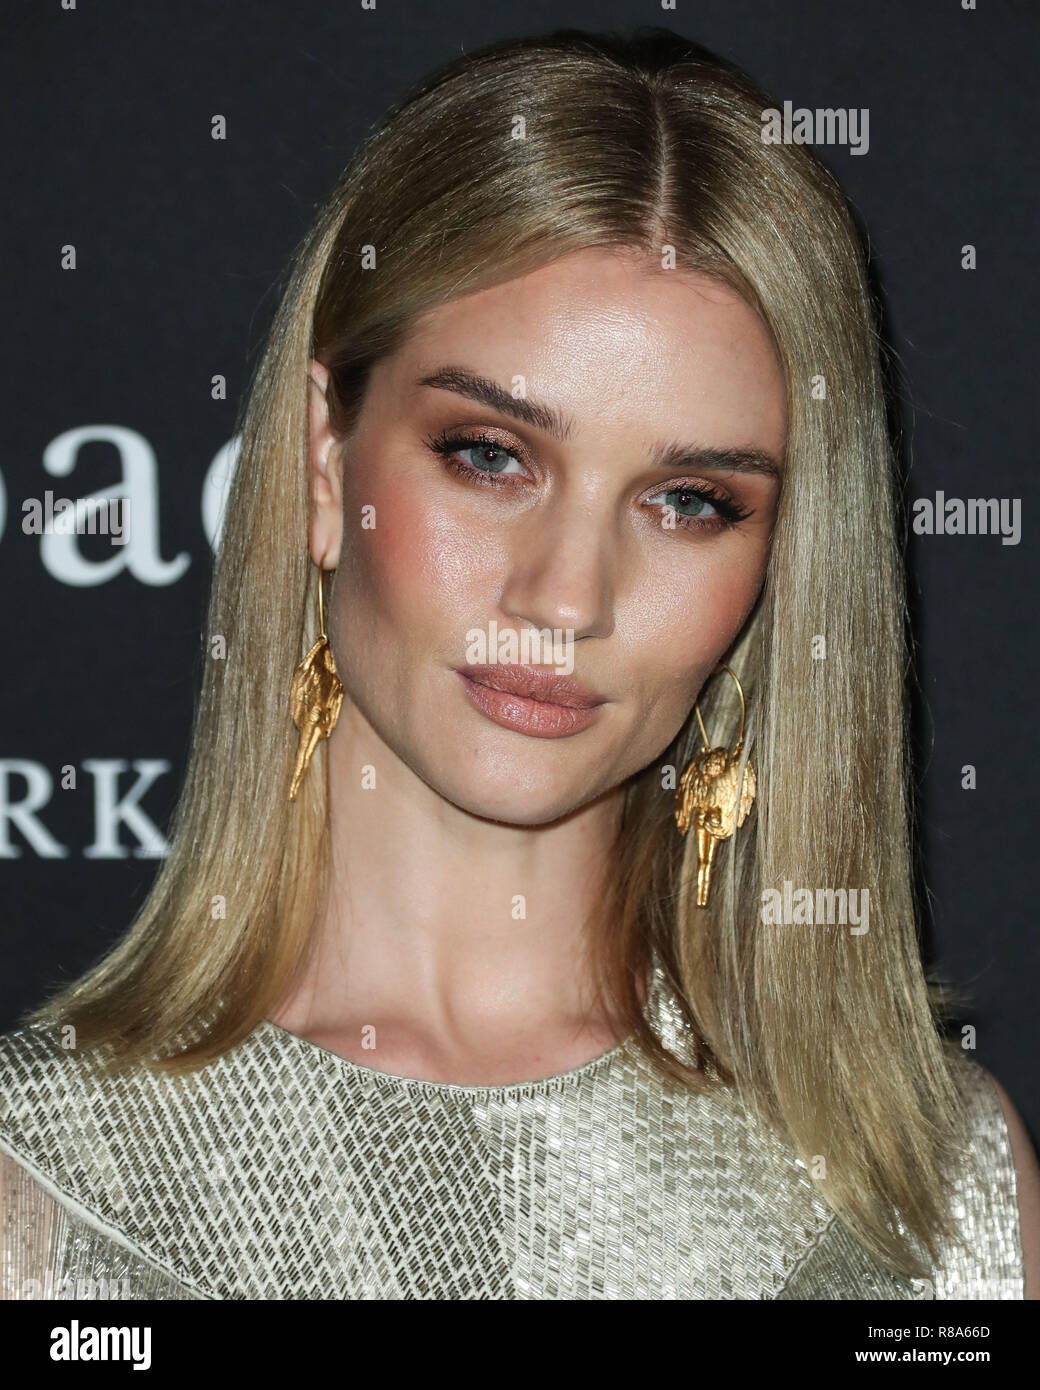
point(692, 635)
point(385, 542)
point(412, 556)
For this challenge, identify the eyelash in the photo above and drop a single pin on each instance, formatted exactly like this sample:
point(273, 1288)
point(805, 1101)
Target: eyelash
point(447, 446)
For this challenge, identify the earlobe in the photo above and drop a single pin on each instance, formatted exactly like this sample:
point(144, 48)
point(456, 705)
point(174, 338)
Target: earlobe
point(323, 472)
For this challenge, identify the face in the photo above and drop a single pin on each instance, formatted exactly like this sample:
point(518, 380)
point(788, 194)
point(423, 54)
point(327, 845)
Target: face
point(590, 449)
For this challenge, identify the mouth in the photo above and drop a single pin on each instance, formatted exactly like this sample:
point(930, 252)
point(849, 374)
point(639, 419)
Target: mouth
point(531, 700)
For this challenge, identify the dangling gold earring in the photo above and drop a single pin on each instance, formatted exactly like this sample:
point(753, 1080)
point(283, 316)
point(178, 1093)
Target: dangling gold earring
point(316, 694)
point(708, 793)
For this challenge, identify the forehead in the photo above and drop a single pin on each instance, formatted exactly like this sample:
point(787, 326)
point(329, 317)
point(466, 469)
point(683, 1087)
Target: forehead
point(602, 331)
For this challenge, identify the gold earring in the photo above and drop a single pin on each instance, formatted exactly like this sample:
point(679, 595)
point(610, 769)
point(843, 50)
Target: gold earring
point(712, 793)
point(316, 694)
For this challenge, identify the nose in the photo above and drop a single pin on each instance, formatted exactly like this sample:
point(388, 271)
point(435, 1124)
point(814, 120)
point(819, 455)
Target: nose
point(561, 571)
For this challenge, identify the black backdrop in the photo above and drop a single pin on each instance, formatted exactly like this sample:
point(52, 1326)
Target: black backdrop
point(179, 240)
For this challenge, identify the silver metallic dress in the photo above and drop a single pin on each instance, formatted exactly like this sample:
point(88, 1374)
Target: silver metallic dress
point(283, 1171)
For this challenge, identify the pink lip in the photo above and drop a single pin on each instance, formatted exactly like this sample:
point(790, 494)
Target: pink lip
point(531, 700)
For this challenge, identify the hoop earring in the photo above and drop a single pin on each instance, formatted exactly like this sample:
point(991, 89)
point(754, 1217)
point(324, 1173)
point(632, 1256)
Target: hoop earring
point(316, 694)
point(712, 793)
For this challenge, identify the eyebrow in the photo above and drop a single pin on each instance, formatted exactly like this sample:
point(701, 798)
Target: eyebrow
point(489, 393)
point(675, 458)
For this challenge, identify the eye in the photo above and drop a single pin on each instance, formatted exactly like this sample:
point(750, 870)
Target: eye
point(687, 501)
point(490, 458)
point(700, 505)
point(478, 458)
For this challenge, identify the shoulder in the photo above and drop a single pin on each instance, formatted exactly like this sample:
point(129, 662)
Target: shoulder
point(47, 1089)
point(1027, 1184)
point(46, 1094)
point(24, 1046)
point(40, 1056)
point(136, 1159)
point(34, 1070)
point(996, 1190)
point(60, 1101)
point(77, 1205)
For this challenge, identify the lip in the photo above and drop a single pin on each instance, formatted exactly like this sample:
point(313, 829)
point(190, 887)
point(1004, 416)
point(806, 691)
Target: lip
point(531, 700)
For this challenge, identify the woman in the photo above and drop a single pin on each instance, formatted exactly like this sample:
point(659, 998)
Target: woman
point(476, 986)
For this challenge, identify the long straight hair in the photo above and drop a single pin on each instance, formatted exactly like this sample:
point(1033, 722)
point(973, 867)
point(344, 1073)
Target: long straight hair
point(501, 162)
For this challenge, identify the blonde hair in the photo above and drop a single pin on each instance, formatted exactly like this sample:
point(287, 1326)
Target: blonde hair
point(501, 162)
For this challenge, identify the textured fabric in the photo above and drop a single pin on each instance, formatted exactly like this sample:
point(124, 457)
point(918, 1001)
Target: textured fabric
point(48, 1252)
point(284, 1171)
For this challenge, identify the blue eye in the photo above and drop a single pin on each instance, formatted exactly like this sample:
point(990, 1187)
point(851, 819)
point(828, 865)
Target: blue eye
point(488, 457)
point(689, 503)
point(700, 506)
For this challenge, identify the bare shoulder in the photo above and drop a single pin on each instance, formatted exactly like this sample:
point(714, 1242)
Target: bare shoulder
point(1027, 1176)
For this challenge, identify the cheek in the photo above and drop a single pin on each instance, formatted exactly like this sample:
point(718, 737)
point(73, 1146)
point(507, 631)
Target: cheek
point(681, 624)
point(411, 556)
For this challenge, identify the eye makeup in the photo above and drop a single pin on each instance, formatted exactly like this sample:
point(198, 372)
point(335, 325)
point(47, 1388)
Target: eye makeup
point(493, 455)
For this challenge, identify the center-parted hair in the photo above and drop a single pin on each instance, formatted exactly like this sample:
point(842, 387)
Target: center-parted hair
point(501, 162)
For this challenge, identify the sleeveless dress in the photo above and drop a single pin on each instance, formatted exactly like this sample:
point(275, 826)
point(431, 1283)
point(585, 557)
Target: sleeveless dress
point(283, 1171)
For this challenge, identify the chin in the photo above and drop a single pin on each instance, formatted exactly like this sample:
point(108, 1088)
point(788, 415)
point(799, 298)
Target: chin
point(509, 802)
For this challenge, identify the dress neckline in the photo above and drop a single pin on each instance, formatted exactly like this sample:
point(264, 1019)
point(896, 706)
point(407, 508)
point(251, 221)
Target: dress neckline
point(333, 1061)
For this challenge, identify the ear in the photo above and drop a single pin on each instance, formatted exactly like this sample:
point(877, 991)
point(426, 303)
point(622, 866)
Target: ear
point(324, 465)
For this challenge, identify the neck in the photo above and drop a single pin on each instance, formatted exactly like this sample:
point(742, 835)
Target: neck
point(452, 936)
